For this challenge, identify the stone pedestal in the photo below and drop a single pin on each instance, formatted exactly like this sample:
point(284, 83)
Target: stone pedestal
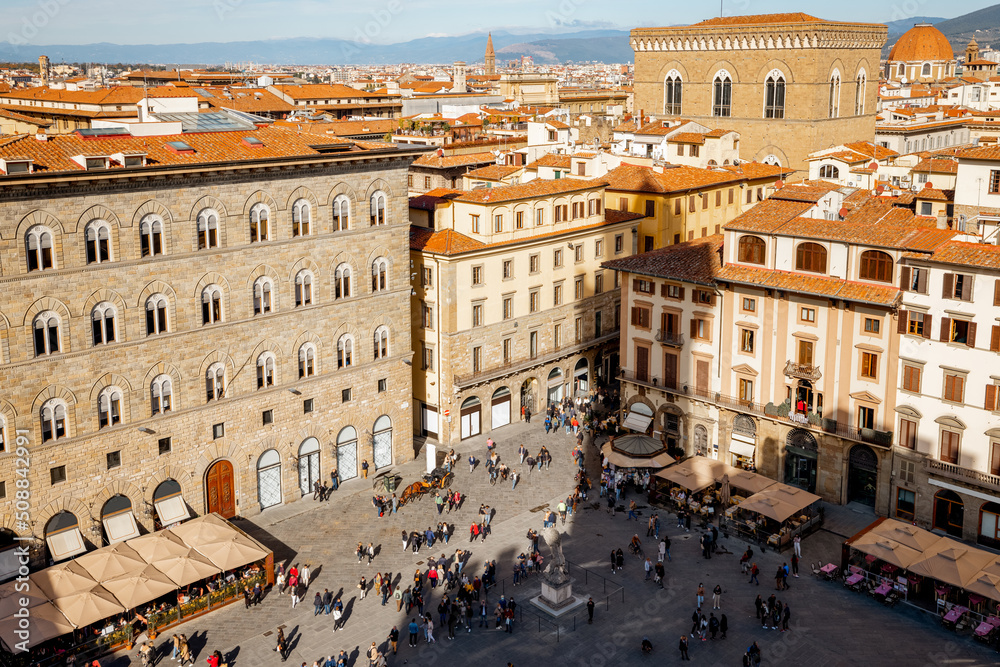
point(557, 597)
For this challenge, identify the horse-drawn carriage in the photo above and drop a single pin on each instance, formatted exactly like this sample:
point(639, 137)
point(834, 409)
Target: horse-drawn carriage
point(438, 478)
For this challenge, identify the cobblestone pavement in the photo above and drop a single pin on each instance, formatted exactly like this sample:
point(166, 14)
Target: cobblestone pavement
point(829, 625)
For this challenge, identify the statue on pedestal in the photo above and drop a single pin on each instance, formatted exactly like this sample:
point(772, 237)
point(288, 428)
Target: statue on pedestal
point(557, 571)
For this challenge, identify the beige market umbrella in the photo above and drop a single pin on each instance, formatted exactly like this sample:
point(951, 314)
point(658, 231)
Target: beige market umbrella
point(158, 545)
point(204, 530)
point(622, 460)
point(187, 568)
point(951, 562)
point(11, 598)
point(778, 501)
point(236, 552)
point(140, 587)
point(985, 584)
point(692, 479)
point(907, 535)
point(62, 579)
point(45, 623)
point(88, 606)
point(888, 550)
point(750, 482)
point(114, 561)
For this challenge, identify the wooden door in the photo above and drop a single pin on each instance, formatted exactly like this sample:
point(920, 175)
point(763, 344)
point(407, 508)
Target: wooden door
point(219, 489)
point(701, 377)
point(642, 364)
point(670, 371)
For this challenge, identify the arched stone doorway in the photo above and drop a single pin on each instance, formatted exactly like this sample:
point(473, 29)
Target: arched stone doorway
point(949, 512)
point(471, 416)
point(581, 377)
point(500, 407)
point(743, 442)
point(862, 475)
point(269, 479)
point(219, 493)
point(347, 453)
point(118, 519)
point(382, 442)
point(63, 536)
point(9, 557)
point(700, 440)
point(801, 456)
point(989, 525)
point(529, 394)
point(169, 504)
point(308, 465)
point(555, 386)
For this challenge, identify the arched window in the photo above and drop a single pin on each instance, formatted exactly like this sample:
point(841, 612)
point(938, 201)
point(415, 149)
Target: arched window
point(342, 282)
point(345, 351)
point(211, 305)
point(208, 229)
point(260, 223)
point(151, 236)
point(46, 333)
point(829, 171)
point(3, 434)
point(98, 242)
point(215, 381)
point(301, 218)
point(378, 208)
point(752, 250)
point(876, 265)
point(341, 213)
point(303, 288)
point(859, 96)
point(156, 315)
point(109, 407)
point(380, 274)
point(381, 342)
point(262, 295)
point(53, 417)
point(835, 95)
point(925, 70)
point(38, 241)
point(102, 320)
point(160, 392)
point(810, 257)
point(265, 370)
point(902, 69)
point(989, 525)
point(672, 93)
point(307, 360)
point(722, 95)
point(774, 95)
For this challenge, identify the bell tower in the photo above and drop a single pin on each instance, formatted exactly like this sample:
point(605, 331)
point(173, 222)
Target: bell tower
point(491, 57)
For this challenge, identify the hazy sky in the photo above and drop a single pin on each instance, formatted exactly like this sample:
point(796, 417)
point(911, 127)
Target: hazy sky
point(174, 21)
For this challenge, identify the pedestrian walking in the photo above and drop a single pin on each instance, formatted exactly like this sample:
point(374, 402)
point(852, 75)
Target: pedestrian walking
point(338, 614)
point(786, 614)
point(797, 545)
point(429, 629)
point(364, 469)
point(590, 610)
point(318, 604)
point(296, 591)
point(413, 629)
point(717, 597)
point(683, 648)
point(363, 586)
point(658, 568)
point(723, 625)
point(701, 595)
point(713, 626)
point(648, 567)
point(393, 639)
point(754, 571)
point(281, 646)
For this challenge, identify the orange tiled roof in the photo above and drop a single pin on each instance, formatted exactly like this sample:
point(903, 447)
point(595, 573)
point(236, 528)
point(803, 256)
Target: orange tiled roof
point(493, 172)
point(559, 125)
point(40, 122)
point(321, 91)
point(530, 190)
point(634, 178)
point(762, 19)
point(758, 170)
point(981, 255)
point(981, 153)
point(937, 166)
point(551, 160)
point(818, 285)
point(768, 216)
point(248, 100)
point(810, 191)
point(687, 138)
point(919, 43)
point(933, 194)
point(695, 261)
point(449, 161)
point(343, 128)
point(104, 96)
point(883, 235)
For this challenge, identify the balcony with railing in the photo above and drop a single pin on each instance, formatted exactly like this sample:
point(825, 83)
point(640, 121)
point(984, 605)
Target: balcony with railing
point(490, 373)
point(781, 413)
point(670, 338)
point(960, 474)
point(803, 371)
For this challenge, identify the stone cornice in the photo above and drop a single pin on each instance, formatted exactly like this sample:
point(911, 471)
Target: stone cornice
point(760, 38)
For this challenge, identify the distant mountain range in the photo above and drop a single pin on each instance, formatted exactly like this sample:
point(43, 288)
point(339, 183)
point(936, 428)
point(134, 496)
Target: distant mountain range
point(608, 46)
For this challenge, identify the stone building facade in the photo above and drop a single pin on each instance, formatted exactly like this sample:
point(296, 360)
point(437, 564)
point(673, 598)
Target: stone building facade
point(209, 330)
point(786, 82)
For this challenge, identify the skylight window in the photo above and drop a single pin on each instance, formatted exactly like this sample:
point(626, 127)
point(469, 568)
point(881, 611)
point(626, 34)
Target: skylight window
point(253, 142)
point(179, 147)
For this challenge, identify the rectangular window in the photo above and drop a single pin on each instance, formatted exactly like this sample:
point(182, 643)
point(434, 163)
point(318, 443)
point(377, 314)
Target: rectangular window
point(539, 216)
point(749, 305)
point(533, 264)
point(345, 395)
point(497, 224)
point(556, 336)
point(991, 398)
point(994, 181)
point(3, 489)
point(905, 504)
point(427, 357)
point(57, 474)
point(557, 294)
point(506, 348)
point(599, 248)
point(578, 288)
point(746, 390)
point(911, 378)
point(533, 301)
point(872, 326)
point(533, 344)
point(267, 417)
point(908, 433)
point(808, 315)
point(623, 204)
point(427, 277)
point(477, 315)
point(557, 258)
point(219, 430)
point(644, 286)
point(866, 417)
point(869, 365)
point(963, 332)
point(598, 283)
point(477, 359)
point(954, 388)
point(747, 340)
point(164, 446)
point(641, 317)
point(508, 269)
point(619, 243)
point(475, 224)
point(675, 292)
point(477, 275)
point(650, 208)
point(578, 253)
point(995, 458)
point(699, 329)
point(915, 324)
point(308, 405)
point(427, 316)
point(693, 150)
point(805, 352)
point(732, 194)
point(691, 204)
point(382, 385)
point(957, 286)
point(704, 202)
point(114, 459)
point(508, 307)
point(578, 330)
point(519, 220)
point(950, 442)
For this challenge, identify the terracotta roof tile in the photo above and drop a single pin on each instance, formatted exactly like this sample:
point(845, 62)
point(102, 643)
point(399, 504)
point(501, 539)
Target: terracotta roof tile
point(810, 191)
point(933, 194)
point(634, 178)
point(493, 172)
point(687, 138)
point(818, 285)
point(448, 161)
point(981, 153)
point(321, 91)
point(551, 160)
point(768, 215)
point(696, 261)
point(537, 188)
point(937, 166)
point(762, 19)
point(980, 255)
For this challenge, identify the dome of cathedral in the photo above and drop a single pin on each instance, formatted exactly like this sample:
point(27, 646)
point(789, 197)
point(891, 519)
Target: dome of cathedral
point(921, 43)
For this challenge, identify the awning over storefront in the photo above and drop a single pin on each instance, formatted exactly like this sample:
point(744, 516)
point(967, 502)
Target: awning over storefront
point(741, 448)
point(121, 526)
point(47, 623)
point(637, 422)
point(66, 543)
point(172, 510)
